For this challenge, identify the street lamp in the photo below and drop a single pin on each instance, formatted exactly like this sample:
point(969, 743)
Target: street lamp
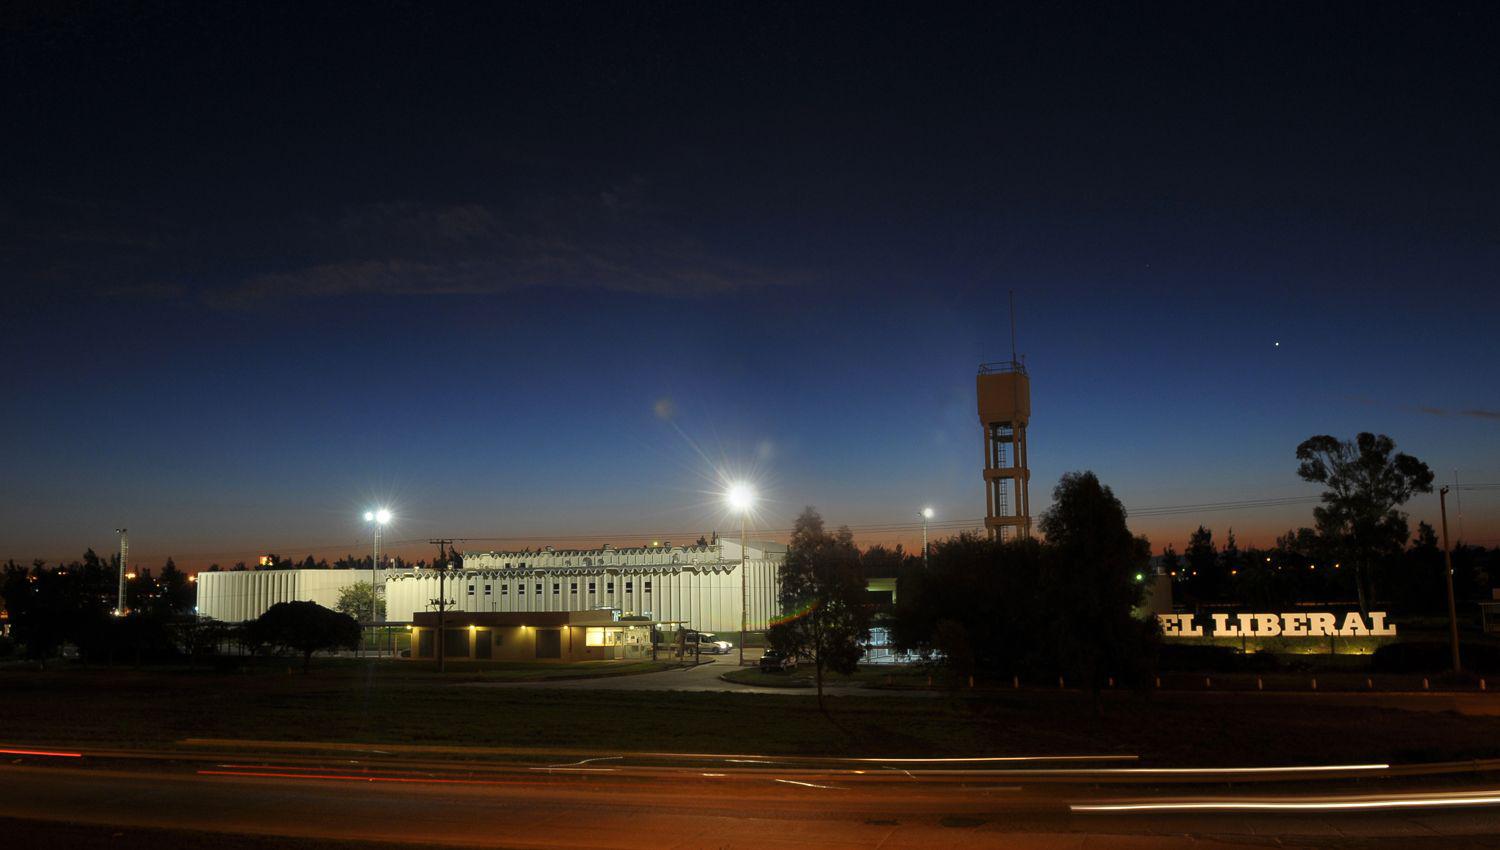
point(124, 559)
point(926, 515)
point(379, 518)
point(741, 498)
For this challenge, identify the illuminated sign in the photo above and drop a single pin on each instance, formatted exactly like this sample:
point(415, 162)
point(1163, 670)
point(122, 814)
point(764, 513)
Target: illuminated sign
point(1317, 624)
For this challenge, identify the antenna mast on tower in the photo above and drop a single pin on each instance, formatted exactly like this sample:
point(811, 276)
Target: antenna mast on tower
point(1012, 326)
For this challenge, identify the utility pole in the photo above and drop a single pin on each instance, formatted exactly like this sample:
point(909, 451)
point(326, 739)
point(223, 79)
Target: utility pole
point(744, 595)
point(124, 557)
point(441, 565)
point(1448, 575)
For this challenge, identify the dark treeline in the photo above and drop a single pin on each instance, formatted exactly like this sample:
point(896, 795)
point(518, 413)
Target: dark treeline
point(348, 562)
point(74, 604)
point(1305, 566)
point(1066, 605)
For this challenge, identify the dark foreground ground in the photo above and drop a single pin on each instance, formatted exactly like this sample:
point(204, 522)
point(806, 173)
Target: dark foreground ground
point(393, 703)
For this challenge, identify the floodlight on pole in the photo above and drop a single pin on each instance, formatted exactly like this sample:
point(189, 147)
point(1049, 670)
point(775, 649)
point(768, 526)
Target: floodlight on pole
point(124, 560)
point(741, 499)
point(379, 516)
point(927, 514)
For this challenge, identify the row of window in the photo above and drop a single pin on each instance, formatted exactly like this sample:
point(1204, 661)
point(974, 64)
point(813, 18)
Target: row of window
point(590, 562)
point(609, 587)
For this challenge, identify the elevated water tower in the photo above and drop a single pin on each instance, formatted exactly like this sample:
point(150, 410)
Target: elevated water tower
point(1004, 393)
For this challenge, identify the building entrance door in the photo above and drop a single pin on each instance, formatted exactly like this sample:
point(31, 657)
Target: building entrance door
point(549, 643)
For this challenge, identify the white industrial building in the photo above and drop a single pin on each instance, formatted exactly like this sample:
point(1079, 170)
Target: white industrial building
point(246, 594)
point(699, 586)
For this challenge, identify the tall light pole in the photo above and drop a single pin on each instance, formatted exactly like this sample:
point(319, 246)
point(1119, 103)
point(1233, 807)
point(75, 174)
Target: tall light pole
point(1448, 574)
point(741, 499)
point(124, 556)
point(926, 515)
point(379, 517)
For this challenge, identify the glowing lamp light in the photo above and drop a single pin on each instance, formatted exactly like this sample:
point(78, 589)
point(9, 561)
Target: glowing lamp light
point(382, 516)
point(1140, 577)
point(927, 513)
point(369, 516)
point(741, 497)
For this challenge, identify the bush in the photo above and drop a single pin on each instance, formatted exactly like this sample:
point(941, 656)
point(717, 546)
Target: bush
point(1434, 657)
point(7, 647)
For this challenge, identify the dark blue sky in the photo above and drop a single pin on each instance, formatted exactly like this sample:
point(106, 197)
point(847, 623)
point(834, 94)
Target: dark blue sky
point(269, 264)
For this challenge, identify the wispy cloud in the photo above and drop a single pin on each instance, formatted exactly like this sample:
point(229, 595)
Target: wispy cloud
point(606, 242)
point(1469, 412)
point(612, 240)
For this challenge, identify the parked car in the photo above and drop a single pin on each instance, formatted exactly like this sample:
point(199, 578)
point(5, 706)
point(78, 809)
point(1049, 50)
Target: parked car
point(707, 644)
point(774, 661)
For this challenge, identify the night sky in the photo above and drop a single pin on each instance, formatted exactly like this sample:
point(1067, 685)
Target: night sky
point(538, 272)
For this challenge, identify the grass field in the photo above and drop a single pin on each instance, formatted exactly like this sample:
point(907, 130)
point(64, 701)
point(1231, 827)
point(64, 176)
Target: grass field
point(867, 676)
point(390, 702)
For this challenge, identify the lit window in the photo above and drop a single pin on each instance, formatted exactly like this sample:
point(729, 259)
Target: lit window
point(601, 636)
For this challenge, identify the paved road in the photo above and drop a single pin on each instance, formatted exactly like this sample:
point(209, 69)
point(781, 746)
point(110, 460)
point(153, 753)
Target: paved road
point(606, 802)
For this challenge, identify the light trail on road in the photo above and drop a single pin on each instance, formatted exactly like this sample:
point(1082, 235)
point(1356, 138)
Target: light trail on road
point(1300, 804)
point(44, 753)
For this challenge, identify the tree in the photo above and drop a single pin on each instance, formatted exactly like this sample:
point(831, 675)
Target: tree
point(306, 627)
point(175, 594)
point(1170, 561)
point(1201, 559)
point(827, 618)
point(976, 607)
point(1366, 483)
point(1089, 587)
point(354, 600)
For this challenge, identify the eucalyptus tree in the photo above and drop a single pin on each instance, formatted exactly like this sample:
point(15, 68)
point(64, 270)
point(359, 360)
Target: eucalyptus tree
point(1366, 481)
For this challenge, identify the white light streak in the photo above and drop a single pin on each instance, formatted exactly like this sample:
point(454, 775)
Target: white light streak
point(1292, 804)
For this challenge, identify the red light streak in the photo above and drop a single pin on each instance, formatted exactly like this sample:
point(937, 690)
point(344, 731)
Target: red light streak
point(40, 753)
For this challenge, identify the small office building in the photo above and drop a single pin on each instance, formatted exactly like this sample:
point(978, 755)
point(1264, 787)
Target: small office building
point(531, 636)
